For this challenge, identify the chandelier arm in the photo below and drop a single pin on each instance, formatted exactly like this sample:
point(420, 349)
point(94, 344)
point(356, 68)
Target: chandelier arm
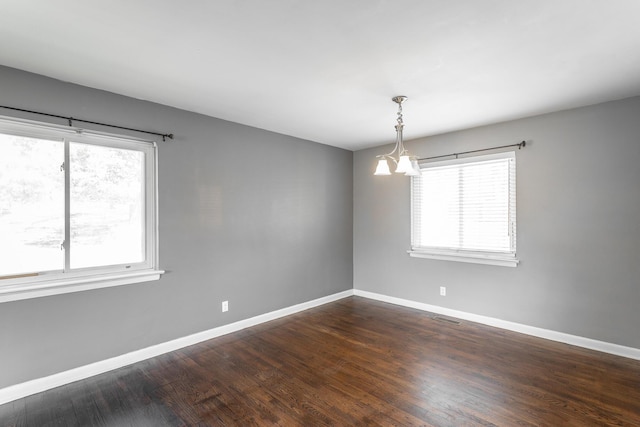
point(389, 155)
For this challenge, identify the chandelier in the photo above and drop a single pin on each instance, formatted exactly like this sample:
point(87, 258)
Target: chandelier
point(405, 163)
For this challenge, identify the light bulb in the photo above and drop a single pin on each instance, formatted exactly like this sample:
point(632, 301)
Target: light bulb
point(415, 168)
point(404, 164)
point(382, 168)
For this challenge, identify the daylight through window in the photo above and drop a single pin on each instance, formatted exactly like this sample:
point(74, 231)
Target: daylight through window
point(76, 210)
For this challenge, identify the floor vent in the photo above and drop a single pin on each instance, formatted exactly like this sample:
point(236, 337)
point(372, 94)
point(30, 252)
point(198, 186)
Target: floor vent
point(444, 319)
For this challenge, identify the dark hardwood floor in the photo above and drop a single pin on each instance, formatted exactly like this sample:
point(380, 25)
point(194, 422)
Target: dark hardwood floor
point(348, 363)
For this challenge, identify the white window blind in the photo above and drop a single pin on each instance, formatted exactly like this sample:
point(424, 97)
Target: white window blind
point(466, 208)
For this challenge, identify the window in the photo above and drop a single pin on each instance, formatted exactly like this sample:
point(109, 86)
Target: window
point(77, 210)
point(465, 210)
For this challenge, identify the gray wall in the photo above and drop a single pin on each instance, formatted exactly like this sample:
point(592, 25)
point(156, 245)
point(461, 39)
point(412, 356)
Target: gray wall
point(578, 213)
point(257, 218)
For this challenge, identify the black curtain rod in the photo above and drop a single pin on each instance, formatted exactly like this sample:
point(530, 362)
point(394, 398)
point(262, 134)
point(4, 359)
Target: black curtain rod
point(520, 145)
point(70, 120)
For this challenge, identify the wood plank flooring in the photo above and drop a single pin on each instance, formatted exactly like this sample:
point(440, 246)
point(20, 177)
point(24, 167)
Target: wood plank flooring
point(353, 362)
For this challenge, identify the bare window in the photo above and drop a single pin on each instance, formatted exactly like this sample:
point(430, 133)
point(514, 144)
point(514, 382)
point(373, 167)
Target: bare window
point(77, 210)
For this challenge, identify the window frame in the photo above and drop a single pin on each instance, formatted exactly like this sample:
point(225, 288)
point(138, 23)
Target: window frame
point(491, 257)
point(45, 283)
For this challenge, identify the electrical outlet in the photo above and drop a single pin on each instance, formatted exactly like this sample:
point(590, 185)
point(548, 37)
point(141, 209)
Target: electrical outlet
point(443, 291)
point(225, 306)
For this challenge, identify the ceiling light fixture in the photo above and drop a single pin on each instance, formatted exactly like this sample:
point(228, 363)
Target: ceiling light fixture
point(406, 163)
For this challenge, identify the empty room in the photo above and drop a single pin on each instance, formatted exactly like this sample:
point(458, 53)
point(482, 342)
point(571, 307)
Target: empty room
point(327, 213)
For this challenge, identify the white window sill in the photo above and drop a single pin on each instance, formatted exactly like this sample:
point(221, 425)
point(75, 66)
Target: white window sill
point(42, 288)
point(504, 260)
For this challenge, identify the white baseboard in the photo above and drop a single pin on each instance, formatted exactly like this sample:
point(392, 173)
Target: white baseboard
point(39, 385)
point(605, 347)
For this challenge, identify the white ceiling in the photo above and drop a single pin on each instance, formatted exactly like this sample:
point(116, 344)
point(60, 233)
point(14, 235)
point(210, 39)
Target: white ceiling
point(325, 70)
